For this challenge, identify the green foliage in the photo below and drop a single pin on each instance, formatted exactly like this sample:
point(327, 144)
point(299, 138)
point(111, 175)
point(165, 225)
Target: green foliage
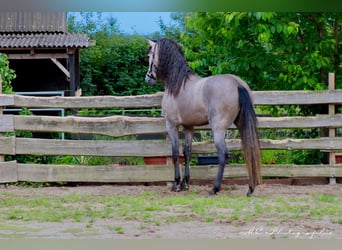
point(175, 30)
point(7, 74)
point(270, 50)
point(117, 64)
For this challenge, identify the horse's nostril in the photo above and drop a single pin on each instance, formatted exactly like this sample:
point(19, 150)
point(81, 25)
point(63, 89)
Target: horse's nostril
point(149, 80)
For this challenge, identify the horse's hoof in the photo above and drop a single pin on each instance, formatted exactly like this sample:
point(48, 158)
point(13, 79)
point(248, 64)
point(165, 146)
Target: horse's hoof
point(176, 188)
point(250, 191)
point(212, 193)
point(184, 187)
point(250, 194)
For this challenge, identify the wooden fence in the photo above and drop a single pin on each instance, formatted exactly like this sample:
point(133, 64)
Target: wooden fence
point(119, 126)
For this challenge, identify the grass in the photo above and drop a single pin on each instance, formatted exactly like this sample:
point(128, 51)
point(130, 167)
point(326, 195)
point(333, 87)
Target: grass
point(156, 209)
point(117, 229)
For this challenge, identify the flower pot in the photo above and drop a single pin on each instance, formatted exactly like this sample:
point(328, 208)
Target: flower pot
point(338, 158)
point(155, 160)
point(161, 160)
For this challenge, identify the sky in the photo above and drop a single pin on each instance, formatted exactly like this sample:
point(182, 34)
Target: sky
point(143, 23)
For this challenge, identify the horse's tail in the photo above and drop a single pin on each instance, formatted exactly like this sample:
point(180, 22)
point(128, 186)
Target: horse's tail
point(247, 125)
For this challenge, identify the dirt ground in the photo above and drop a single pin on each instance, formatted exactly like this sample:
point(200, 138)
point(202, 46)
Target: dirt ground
point(260, 228)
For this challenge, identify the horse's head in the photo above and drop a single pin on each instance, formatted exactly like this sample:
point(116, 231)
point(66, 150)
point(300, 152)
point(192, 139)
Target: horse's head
point(151, 75)
point(167, 64)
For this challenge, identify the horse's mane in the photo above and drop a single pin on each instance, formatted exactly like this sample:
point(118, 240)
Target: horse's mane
point(172, 68)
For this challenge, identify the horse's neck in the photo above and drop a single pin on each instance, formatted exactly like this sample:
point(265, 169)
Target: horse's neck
point(194, 77)
point(191, 80)
point(192, 86)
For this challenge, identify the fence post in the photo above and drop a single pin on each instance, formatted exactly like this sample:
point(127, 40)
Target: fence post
point(332, 131)
point(2, 157)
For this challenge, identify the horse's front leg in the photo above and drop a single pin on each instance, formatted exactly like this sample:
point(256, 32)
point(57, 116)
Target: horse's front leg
point(187, 158)
point(173, 136)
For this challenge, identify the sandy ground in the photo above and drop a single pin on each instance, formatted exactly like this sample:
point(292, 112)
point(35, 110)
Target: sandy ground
point(260, 228)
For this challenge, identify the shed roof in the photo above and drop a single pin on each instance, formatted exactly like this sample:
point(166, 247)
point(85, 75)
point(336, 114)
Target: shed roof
point(43, 40)
point(33, 21)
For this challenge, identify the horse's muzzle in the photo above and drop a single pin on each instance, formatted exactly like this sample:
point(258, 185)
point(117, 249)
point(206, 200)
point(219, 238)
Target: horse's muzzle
point(150, 80)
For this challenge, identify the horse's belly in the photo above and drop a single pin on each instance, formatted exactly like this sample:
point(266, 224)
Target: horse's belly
point(188, 108)
point(195, 118)
point(187, 116)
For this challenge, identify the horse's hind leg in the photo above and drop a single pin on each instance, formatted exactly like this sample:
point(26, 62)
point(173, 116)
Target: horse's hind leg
point(222, 151)
point(187, 158)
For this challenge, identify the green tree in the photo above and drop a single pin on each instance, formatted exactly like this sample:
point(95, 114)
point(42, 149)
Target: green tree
point(117, 64)
point(269, 50)
point(175, 30)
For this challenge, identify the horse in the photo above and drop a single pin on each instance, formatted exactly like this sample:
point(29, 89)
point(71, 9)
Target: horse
point(190, 100)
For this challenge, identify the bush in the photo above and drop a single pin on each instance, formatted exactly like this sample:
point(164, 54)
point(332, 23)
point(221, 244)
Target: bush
point(7, 74)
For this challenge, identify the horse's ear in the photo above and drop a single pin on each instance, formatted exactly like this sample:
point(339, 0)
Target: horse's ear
point(151, 43)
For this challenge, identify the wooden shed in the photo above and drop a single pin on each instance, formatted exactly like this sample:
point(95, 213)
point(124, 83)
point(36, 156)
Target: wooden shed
point(43, 54)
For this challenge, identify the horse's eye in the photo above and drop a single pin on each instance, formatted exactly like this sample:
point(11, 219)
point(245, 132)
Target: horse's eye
point(149, 50)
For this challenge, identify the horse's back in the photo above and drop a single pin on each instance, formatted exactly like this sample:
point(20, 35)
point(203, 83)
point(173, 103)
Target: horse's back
point(213, 99)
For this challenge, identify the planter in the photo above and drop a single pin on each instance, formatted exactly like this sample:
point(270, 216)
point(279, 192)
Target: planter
point(338, 158)
point(207, 159)
point(161, 160)
point(155, 160)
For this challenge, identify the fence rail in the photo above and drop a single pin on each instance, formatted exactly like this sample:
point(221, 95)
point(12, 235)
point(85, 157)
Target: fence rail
point(124, 125)
point(154, 100)
point(141, 148)
point(118, 126)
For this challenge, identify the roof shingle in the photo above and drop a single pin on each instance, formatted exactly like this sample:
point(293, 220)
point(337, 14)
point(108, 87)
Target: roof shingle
point(44, 40)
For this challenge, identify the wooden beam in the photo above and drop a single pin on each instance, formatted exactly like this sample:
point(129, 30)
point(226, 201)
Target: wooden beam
point(72, 86)
point(61, 67)
point(77, 71)
point(8, 172)
point(53, 173)
point(285, 144)
point(146, 147)
point(71, 51)
point(91, 147)
point(141, 101)
point(7, 100)
point(124, 125)
point(154, 100)
point(119, 174)
point(297, 97)
point(318, 121)
point(6, 123)
point(2, 157)
point(112, 126)
point(7, 145)
point(37, 56)
point(332, 130)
